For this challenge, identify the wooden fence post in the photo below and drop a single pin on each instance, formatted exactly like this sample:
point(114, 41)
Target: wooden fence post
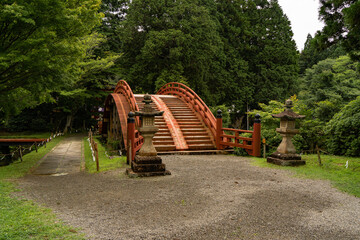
point(219, 126)
point(130, 138)
point(264, 147)
point(257, 137)
point(96, 156)
point(20, 153)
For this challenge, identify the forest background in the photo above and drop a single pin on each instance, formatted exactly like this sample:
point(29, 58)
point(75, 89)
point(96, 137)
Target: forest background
point(59, 59)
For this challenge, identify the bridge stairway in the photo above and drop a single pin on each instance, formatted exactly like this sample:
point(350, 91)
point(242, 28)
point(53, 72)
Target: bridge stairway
point(180, 128)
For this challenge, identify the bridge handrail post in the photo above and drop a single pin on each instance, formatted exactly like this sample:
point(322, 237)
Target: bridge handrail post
point(130, 138)
point(256, 136)
point(219, 126)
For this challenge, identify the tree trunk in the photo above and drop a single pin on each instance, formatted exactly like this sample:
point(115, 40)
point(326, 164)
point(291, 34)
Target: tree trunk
point(68, 123)
point(318, 155)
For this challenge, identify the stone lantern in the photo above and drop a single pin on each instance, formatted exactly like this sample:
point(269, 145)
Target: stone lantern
point(285, 154)
point(148, 128)
point(146, 162)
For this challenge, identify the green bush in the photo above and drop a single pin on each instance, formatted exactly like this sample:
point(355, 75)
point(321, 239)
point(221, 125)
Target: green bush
point(311, 128)
point(344, 130)
point(225, 114)
point(240, 152)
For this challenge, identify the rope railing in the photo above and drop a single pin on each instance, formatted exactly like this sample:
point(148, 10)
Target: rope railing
point(21, 150)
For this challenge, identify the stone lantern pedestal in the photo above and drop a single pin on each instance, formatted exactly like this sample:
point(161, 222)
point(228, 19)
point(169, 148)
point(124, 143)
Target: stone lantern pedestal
point(285, 154)
point(146, 162)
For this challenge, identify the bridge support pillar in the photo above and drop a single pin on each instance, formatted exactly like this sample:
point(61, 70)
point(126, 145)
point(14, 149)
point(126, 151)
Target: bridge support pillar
point(130, 152)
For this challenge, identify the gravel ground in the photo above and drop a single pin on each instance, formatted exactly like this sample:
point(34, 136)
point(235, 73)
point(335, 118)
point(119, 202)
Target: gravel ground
point(206, 197)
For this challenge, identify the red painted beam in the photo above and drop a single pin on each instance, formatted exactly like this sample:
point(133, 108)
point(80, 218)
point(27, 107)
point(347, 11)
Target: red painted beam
point(22, 140)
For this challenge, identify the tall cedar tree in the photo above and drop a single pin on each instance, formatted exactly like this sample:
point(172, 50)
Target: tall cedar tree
point(234, 87)
point(270, 52)
point(111, 28)
point(260, 55)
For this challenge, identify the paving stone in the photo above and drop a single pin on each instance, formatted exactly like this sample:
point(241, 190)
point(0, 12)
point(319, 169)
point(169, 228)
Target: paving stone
point(63, 159)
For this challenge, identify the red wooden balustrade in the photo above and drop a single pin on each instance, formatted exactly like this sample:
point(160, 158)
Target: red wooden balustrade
point(250, 144)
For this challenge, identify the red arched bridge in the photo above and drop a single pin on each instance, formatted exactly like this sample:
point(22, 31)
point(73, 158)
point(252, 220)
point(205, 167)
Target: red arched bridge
point(187, 122)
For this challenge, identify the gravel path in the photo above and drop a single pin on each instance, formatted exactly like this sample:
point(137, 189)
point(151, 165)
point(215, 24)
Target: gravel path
point(206, 197)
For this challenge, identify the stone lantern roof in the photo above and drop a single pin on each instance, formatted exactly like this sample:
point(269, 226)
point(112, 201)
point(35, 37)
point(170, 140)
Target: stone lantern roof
point(148, 111)
point(288, 113)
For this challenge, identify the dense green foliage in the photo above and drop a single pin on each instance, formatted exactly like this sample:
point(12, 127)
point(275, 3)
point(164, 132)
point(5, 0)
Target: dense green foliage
point(344, 130)
point(312, 55)
point(329, 122)
point(342, 24)
point(166, 41)
point(47, 55)
point(42, 44)
point(330, 80)
point(260, 59)
point(329, 85)
point(230, 53)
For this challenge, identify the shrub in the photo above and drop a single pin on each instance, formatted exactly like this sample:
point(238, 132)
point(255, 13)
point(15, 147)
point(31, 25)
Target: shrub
point(344, 130)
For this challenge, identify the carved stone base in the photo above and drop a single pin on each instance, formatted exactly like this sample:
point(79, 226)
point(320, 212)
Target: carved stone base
point(146, 166)
point(284, 159)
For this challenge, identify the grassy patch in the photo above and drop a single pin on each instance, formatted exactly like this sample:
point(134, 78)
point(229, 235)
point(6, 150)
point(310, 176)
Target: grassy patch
point(333, 169)
point(105, 163)
point(25, 135)
point(22, 219)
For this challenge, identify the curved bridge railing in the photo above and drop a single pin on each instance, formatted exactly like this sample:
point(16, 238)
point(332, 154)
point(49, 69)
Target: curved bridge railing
point(223, 140)
point(124, 100)
point(123, 88)
point(186, 93)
